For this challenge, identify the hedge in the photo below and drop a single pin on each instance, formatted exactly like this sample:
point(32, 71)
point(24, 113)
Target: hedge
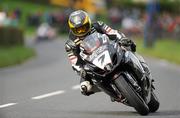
point(10, 36)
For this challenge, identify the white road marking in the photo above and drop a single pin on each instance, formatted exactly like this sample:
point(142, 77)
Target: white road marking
point(7, 105)
point(76, 87)
point(48, 95)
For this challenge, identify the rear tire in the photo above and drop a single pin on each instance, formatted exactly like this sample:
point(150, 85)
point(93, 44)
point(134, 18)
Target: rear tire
point(131, 95)
point(154, 103)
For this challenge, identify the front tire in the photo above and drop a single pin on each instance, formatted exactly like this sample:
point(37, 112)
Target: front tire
point(131, 95)
point(154, 103)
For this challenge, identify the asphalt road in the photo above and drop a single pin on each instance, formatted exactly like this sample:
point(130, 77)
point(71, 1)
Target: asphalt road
point(46, 87)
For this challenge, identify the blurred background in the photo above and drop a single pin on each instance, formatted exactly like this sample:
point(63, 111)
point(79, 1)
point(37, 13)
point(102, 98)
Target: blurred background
point(36, 78)
point(153, 24)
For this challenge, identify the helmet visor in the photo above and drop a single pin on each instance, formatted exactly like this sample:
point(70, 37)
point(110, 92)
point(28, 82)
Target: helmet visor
point(82, 30)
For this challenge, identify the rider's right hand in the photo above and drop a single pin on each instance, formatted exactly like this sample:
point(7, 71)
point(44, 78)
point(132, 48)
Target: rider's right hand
point(82, 73)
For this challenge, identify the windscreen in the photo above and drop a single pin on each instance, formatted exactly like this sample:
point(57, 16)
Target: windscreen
point(94, 41)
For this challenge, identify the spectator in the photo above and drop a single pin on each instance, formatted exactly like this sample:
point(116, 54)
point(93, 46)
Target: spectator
point(2, 18)
point(17, 13)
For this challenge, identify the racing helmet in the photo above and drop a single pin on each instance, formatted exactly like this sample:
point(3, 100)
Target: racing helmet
point(79, 23)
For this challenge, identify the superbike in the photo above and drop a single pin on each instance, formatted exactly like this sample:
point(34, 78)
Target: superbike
point(105, 63)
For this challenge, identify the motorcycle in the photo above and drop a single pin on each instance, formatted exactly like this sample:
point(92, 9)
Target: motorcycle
point(104, 62)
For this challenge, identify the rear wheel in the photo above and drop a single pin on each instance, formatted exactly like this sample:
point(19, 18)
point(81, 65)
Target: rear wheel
point(131, 95)
point(154, 103)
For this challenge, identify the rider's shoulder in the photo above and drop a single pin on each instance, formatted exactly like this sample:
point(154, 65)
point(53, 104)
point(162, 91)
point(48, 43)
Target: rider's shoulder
point(70, 44)
point(98, 23)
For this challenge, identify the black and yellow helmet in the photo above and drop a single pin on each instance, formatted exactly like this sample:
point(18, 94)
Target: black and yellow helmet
point(79, 23)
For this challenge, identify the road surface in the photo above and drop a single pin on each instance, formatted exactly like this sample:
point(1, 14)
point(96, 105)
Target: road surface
point(46, 87)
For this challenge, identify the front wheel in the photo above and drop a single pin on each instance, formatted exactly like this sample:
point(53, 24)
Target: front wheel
point(131, 95)
point(154, 103)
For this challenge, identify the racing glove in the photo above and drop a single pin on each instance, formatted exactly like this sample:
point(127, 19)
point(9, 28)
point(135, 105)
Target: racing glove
point(128, 43)
point(82, 73)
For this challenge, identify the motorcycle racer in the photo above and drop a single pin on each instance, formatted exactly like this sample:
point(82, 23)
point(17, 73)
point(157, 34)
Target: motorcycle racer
point(80, 26)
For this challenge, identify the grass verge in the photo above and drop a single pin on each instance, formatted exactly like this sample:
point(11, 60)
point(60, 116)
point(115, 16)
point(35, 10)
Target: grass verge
point(164, 49)
point(14, 55)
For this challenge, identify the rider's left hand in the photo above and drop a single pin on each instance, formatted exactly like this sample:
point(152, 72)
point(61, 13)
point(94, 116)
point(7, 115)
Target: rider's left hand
point(133, 47)
point(128, 43)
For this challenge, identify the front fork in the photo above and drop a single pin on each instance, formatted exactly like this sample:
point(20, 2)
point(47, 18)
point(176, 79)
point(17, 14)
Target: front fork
point(107, 88)
point(110, 89)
